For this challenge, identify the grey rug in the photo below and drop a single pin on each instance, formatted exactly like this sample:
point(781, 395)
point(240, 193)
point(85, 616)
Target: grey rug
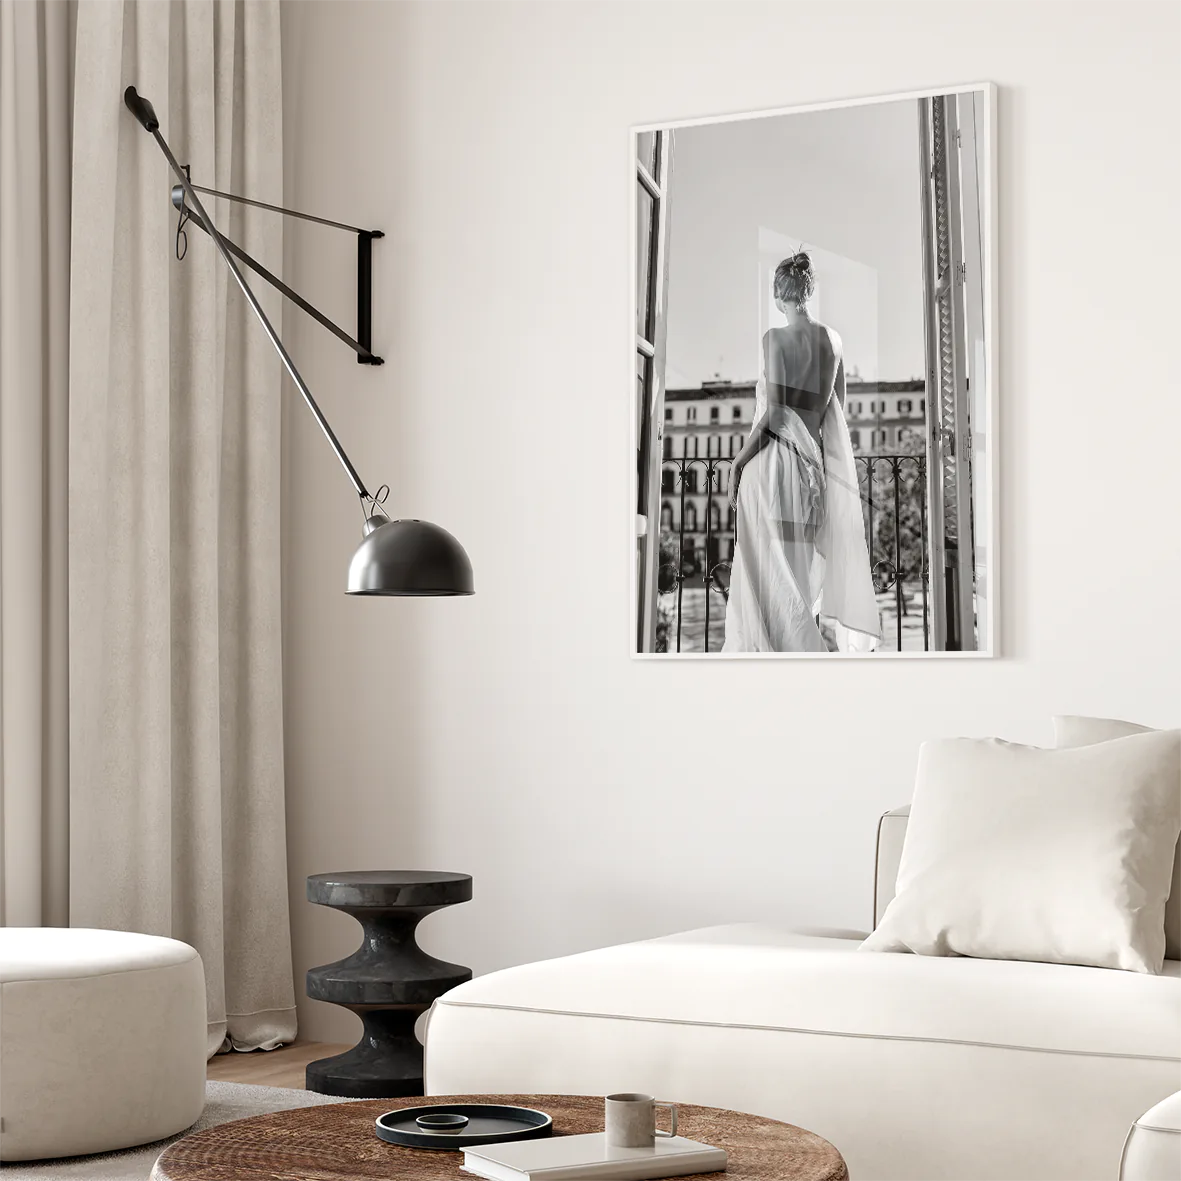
point(223, 1102)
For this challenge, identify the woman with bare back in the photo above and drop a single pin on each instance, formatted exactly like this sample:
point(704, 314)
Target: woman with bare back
point(800, 556)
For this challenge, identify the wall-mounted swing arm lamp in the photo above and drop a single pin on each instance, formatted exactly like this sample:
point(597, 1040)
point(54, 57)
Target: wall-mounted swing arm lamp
point(396, 557)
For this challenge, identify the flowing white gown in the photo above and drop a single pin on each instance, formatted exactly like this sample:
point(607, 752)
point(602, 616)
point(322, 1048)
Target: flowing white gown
point(800, 552)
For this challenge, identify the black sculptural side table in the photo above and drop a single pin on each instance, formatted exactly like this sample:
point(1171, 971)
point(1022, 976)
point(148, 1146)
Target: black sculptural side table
point(388, 981)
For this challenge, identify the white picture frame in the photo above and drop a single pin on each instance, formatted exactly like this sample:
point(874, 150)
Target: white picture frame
point(976, 108)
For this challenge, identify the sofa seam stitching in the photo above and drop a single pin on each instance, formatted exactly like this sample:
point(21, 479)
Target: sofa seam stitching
point(101, 975)
point(885, 1037)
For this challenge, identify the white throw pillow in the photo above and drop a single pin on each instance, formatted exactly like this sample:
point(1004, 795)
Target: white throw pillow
point(1019, 853)
point(1075, 731)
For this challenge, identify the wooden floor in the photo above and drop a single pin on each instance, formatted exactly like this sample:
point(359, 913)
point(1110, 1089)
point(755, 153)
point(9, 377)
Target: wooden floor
point(283, 1067)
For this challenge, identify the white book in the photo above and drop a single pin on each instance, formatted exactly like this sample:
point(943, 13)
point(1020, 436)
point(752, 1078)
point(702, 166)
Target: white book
point(573, 1158)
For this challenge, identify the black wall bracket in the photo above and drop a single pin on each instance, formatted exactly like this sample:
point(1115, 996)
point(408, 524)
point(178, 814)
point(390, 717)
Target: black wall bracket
point(362, 345)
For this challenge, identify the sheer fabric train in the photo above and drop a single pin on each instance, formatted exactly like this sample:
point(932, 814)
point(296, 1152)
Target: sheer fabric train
point(800, 551)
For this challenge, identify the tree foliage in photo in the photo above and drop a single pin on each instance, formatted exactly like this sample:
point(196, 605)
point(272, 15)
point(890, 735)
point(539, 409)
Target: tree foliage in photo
point(901, 544)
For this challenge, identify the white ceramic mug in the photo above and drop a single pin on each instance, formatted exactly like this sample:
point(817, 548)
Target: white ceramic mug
point(630, 1119)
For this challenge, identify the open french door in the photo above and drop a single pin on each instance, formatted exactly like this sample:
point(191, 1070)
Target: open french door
point(954, 327)
point(653, 161)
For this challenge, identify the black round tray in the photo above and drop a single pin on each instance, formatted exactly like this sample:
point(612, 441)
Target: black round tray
point(488, 1123)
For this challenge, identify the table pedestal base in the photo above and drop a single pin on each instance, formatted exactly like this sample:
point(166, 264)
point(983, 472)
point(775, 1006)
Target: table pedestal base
point(385, 1063)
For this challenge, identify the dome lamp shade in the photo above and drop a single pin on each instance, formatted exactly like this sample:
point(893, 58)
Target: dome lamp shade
point(409, 558)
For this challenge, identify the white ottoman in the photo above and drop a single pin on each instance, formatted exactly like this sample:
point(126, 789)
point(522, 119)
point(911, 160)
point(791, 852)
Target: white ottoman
point(102, 1040)
point(1153, 1148)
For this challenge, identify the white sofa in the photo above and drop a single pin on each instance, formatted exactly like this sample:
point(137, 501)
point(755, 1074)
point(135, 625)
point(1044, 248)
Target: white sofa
point(913, 1066)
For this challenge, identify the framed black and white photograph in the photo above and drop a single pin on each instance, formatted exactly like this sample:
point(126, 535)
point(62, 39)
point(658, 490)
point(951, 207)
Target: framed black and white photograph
point(814, 419)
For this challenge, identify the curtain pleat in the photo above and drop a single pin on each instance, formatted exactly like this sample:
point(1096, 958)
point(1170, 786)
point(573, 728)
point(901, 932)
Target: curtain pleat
point(35, 79)
point(177, 806)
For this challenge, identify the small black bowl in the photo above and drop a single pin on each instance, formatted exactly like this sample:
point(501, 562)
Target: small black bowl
point(442, 1121)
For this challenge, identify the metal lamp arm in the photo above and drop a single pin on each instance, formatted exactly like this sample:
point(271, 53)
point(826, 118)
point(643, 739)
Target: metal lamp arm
point(363, 354)
point(143, 111)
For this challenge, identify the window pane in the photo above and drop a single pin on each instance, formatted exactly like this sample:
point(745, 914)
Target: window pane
point(643, 258)
point(646, 150)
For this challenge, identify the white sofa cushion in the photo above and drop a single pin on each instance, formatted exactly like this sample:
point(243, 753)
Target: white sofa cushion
point(756, 977)
point(1077, 731)
point(1019, 853)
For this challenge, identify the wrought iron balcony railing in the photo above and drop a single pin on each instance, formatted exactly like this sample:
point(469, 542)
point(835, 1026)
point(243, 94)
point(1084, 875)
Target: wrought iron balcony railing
point(697, 549)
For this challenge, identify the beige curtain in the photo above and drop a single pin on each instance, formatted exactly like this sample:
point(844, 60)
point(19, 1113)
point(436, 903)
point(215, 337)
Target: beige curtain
point(176, 744)
point(35, 48)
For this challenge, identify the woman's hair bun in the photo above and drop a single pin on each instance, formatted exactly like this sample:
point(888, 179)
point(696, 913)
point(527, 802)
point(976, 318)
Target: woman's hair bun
point(795, 279)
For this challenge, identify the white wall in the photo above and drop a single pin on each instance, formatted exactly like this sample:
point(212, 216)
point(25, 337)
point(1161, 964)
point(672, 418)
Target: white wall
point(511, 735)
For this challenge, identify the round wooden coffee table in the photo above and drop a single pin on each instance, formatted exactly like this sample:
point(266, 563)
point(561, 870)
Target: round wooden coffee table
point(336, 1143)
